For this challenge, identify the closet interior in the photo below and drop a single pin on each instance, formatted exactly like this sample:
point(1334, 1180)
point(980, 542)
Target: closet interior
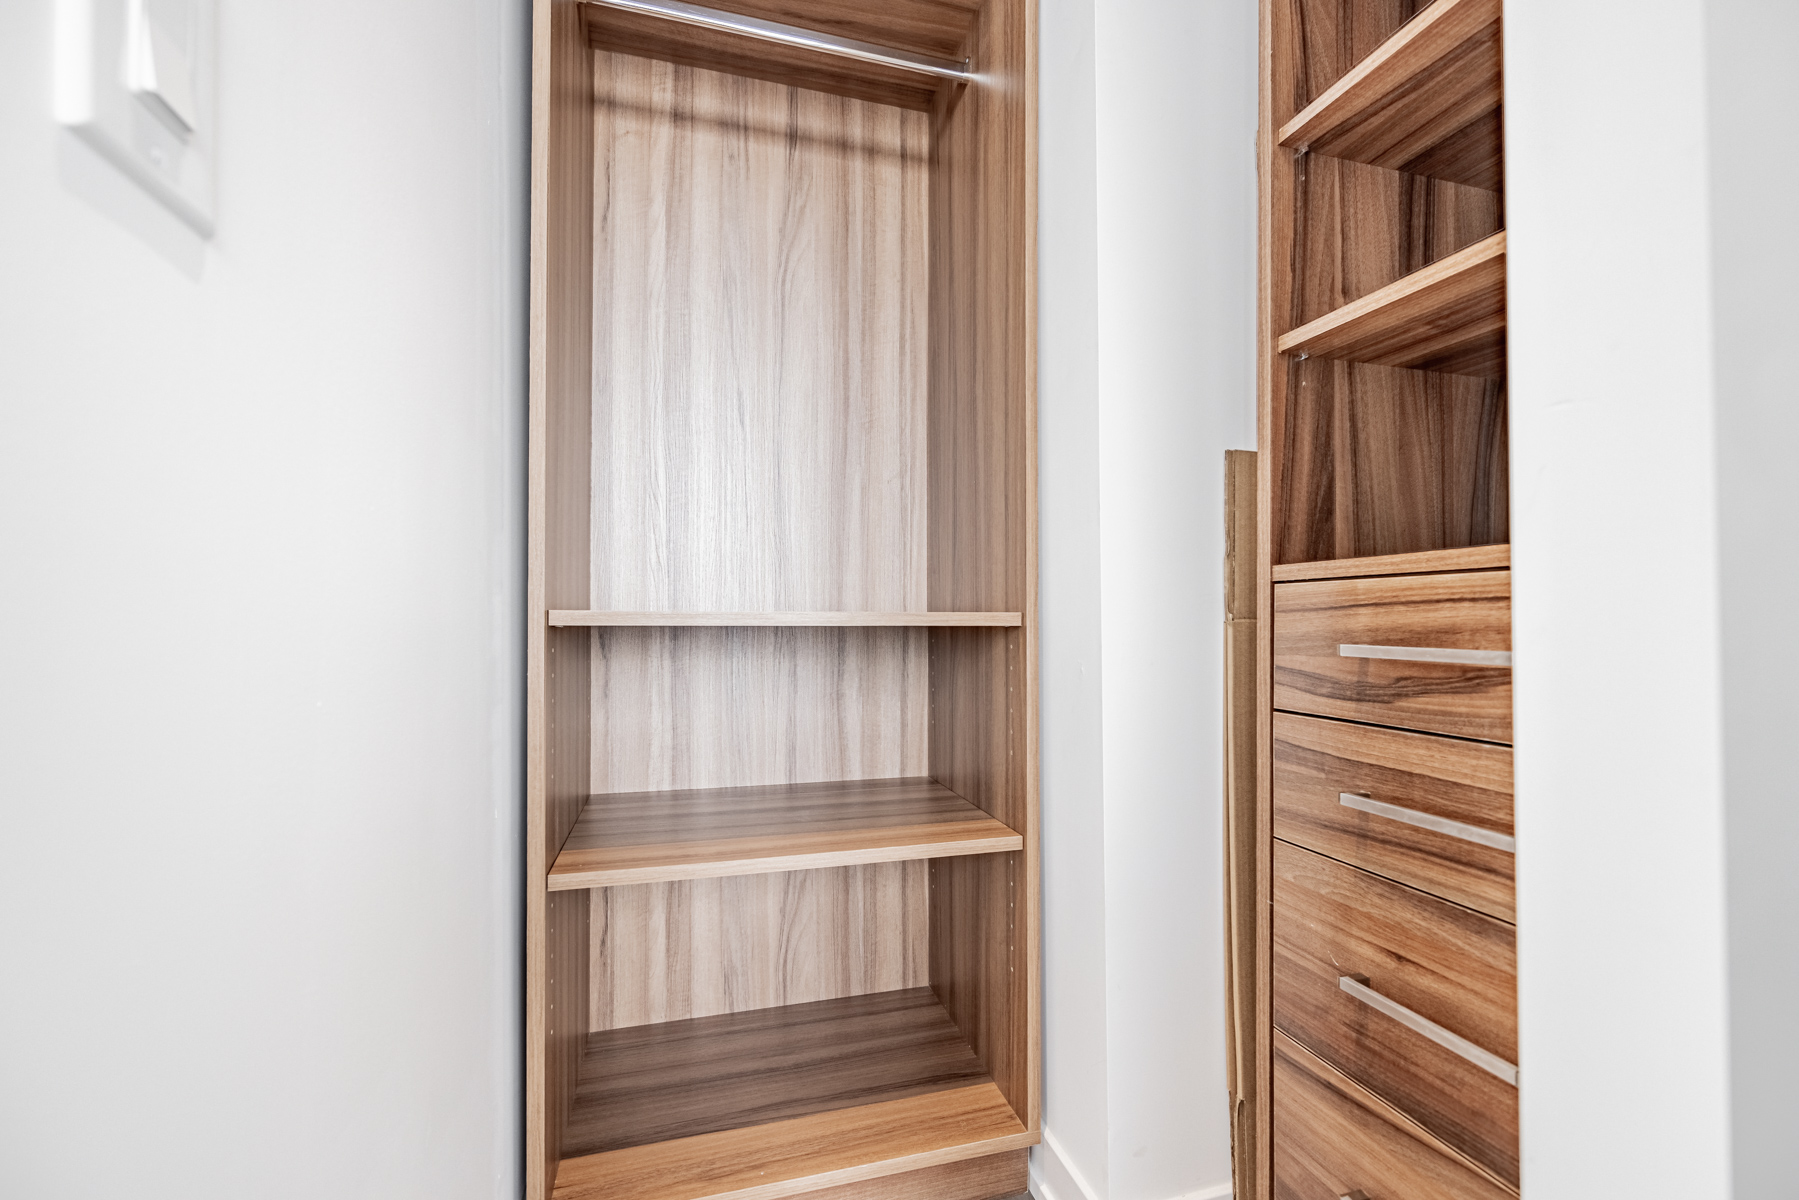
point(782, 878)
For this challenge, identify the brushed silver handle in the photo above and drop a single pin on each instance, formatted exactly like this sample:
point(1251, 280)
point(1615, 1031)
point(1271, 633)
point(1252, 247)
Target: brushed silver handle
point(1358, 1194)
point(1363, 802)
point(1436, 654)
point(1455, 1043)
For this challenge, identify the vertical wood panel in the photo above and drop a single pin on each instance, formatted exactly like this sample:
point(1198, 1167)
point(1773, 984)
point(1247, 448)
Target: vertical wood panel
point(1241, 915)
point(558, 571)
point(759, 341)
point(1327, 38)
point(697, 948)
point(730, 707)
point(983, 530)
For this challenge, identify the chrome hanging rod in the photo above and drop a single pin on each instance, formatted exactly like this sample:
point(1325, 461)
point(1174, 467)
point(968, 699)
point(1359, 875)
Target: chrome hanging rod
point(791, 35)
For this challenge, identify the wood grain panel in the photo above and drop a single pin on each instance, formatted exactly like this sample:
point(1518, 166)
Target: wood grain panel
point(1448, 316)
point(655, 1083)
point(789, 1158)
point(937, 28)
point(996, 1175)
point(696, 948)
point(983, 539)
point(1322, 41)
point(1335, 1138)
point(557, 570)
point(1466, 611)
point(1426, 100)
point(615, 31)
point(908, 620)
point(1450, 965)
point(1242, 911)
point(650, 837)
point(1316, 761)
point(1358, 229)
point(1424, 562)
point(1379, 461)
point(760, 344)
point(745, 707)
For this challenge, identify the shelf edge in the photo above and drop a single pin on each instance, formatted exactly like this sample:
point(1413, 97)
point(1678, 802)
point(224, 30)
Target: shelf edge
point(596, 618)
point(1423, 562)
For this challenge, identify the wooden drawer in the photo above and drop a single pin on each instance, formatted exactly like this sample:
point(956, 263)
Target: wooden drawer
point(1324, 630)
point(1333, 1138)
point(1360, 962)
point(1431, 812)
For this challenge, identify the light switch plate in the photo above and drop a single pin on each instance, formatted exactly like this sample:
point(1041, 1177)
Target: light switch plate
point(135, 79)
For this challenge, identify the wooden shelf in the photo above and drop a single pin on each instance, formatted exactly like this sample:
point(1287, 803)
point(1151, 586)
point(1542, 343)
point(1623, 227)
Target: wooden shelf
point(1448, 317)
point(1427, 102)
point(779, 1101)
point(648, 837)
point(592, 617)
point(1424, 562)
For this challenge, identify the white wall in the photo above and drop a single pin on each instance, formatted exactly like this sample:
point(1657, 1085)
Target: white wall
point(1650, 193)
point(261, 529)
point(1147, 301)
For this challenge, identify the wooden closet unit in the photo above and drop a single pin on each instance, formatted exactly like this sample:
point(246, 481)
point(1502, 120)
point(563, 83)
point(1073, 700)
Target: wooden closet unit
point(782, 867)
point(1385, 1044)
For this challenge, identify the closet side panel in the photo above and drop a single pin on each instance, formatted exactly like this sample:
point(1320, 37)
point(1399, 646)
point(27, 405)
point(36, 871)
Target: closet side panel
point(558, 568)
point(983, 531)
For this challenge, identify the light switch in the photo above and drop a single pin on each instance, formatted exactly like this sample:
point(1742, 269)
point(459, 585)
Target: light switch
point(135, 80)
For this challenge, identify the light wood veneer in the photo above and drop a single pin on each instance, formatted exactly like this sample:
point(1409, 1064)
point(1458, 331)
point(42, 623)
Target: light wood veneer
point(1448, 317)
point(934, 620)
point(1451, 965)
point(1424, 562)
point(1426, 102)
point(649, 837)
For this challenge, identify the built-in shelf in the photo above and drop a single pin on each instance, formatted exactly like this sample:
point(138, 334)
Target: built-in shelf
point(648, 837)
point(1424, 562)
point(779, 1101)
point(594, 617)
point(1427, 101)
point(1449, 317)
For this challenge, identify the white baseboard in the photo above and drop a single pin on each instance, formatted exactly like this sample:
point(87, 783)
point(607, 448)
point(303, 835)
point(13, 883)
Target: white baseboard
point(1055, 1177)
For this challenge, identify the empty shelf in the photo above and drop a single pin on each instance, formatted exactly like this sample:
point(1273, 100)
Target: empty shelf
point(1448, 317)
point(1423, 562)
point(593, 617)
point(1428, 101)
point(647, 837)
point(779, 1101)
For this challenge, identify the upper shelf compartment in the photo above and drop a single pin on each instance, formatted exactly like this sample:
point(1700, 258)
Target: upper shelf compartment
point(1427, 102)
point(1448, 317)
point(854, 56)
point(650, 837)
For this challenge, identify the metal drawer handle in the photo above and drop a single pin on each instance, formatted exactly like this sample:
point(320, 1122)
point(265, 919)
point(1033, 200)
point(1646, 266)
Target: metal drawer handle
point(1363, 802)
point(1436, 654)
point(1455, 1043)
point(1358, 1194)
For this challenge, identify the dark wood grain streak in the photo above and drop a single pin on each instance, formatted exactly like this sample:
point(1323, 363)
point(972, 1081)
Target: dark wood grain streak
point(1470, 610)
point(982, 486)
point(655, 1083)
point(1382, 460)
point(1334, 1138)
point(1316, 761)
point(1449, 964)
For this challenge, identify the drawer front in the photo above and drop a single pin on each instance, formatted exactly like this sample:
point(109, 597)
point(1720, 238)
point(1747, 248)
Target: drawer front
point(1428, 811)
point(1333, 1139)
point(1410, 961)
point(1325, 630)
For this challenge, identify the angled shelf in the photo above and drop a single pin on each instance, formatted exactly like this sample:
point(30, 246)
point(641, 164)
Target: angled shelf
point(1423, 562)
point(568, 618)
point(648, 837)
point(1448, 317)
point(779, 1101)
point(1426, 102)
